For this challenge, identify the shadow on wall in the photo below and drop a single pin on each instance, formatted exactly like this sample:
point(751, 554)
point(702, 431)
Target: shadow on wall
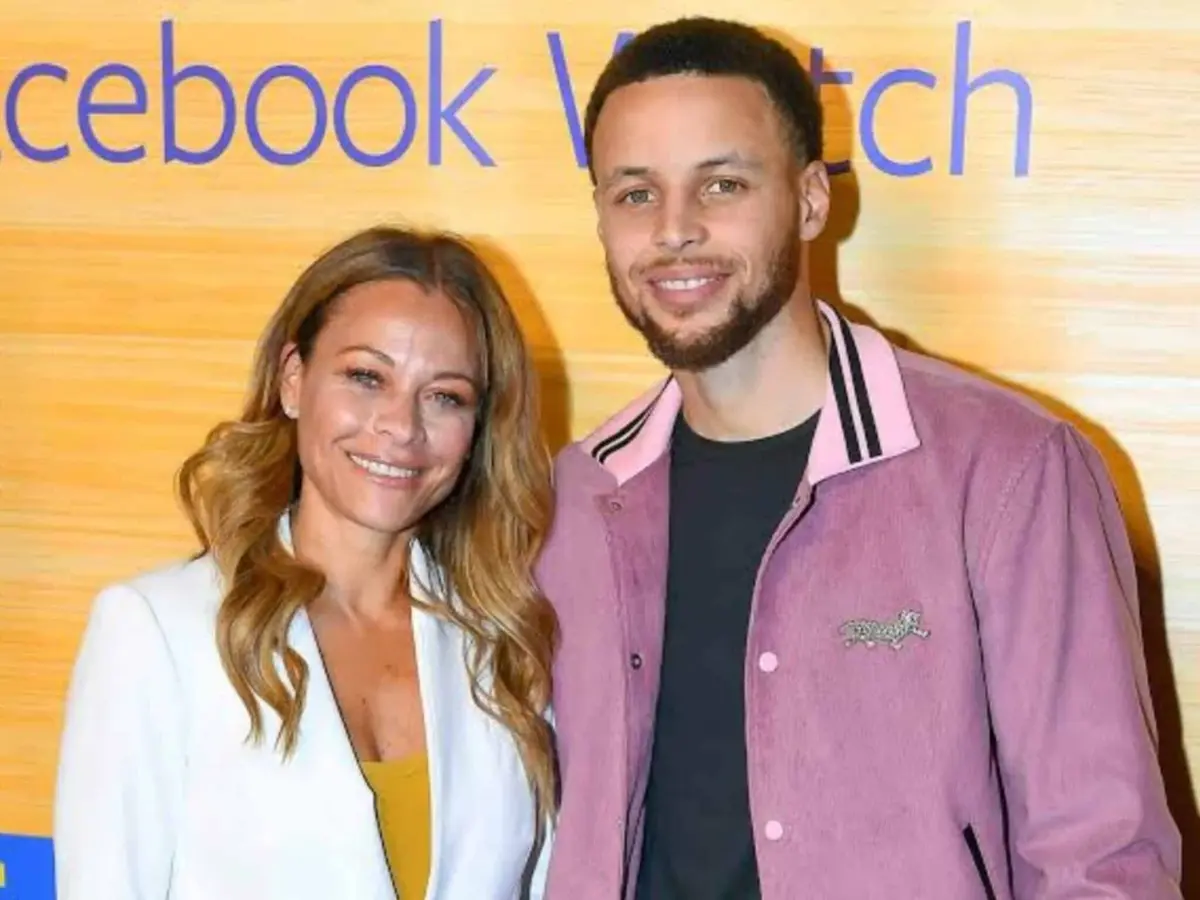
point(1172, 754)
point(555, 395)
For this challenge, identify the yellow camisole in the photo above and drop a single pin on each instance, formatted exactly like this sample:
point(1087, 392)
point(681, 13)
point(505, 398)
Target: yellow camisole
point(401, 789)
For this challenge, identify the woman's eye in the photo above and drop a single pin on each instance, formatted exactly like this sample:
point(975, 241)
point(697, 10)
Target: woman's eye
point(365, 377)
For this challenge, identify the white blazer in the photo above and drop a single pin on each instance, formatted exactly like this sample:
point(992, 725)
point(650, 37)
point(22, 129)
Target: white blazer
point(160, 797)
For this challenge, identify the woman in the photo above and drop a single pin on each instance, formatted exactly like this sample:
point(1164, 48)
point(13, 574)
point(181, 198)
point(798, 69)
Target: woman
point(344, 696)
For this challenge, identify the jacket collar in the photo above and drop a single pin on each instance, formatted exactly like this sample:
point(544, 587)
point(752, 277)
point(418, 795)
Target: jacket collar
point(865, 417)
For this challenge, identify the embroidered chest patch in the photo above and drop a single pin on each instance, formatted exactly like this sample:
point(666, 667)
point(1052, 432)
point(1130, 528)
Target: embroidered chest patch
point(891, 632)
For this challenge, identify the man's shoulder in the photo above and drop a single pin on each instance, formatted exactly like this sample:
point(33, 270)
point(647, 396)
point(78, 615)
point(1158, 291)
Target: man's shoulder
point(948, 397)
point(576, 535)
point(577, 465)
point(575, 548)
point(979, 430)
point(574, 466)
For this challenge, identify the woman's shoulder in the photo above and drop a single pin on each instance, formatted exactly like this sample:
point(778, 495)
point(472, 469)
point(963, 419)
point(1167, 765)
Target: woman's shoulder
point(182, 597)
point(154, 628)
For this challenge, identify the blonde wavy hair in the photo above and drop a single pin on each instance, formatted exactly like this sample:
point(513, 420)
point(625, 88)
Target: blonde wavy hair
point(483, 539)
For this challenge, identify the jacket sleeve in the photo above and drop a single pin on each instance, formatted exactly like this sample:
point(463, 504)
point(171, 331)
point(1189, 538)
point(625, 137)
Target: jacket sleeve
point(1066, 676)
point(121, 758)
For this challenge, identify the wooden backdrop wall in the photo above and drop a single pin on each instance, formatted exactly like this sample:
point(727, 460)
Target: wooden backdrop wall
point(1021, 196)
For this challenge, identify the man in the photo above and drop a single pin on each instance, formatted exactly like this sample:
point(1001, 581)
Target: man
point(838, 621)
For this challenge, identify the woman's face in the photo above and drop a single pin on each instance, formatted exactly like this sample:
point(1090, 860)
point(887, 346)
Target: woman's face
point(385, 406)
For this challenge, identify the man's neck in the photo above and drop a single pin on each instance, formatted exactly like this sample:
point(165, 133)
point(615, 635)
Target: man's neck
point(774, 383)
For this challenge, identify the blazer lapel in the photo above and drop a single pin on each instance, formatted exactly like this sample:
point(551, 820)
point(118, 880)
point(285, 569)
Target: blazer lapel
point(335, 778)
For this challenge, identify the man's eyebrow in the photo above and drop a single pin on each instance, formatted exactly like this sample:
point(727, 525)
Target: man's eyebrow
point(733, 159)
point(626, 172)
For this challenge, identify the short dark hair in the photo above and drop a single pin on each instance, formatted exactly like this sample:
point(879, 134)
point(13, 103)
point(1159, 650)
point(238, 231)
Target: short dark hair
point(699, 45)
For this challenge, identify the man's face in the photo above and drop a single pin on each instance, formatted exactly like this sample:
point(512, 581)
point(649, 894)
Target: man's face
point(703, 209)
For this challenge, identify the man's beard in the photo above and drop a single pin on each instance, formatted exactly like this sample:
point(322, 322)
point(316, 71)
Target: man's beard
point(746, 318)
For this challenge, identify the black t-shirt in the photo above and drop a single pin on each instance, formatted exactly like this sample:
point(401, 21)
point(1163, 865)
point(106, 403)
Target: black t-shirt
point(727, 499)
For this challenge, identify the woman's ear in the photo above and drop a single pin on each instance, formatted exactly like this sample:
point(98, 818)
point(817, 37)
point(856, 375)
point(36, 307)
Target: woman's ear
point(292, 368)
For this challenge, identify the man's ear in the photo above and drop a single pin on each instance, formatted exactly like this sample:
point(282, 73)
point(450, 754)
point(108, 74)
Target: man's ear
point(599, 218)
point(814, 197)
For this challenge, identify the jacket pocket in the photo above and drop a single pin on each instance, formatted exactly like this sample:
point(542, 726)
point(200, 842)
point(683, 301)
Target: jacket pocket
point(980, 865)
